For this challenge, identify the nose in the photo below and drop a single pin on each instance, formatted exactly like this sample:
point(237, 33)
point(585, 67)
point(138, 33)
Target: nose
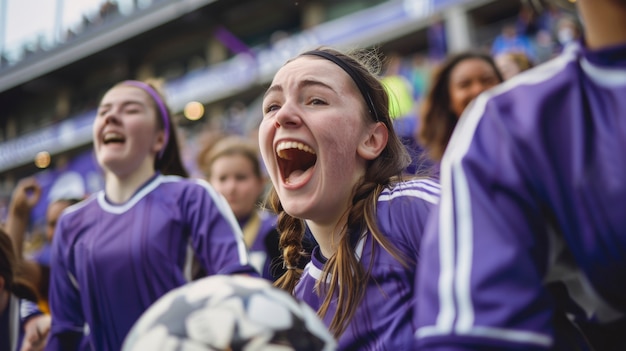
point(230, 185)
point(482, 86)
point(111, 117)
point(477, 88)
point(288, 116)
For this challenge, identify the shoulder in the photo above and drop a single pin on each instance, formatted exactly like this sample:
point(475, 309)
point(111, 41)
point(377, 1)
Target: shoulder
point(177, 183)
point(81, 205)
point(193, 184)
point(28, 309)
point(527, 93)
point(403, 208)
point(77, 212)
point(520, 112)
point(425, 189)
point(187, 188)
point(198, 195)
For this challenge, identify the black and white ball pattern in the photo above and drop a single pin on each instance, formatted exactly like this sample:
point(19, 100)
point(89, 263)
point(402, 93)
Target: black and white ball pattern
point(229, 313)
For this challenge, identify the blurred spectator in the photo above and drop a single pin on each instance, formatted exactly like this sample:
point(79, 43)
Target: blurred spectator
point(421, 67)
point(512, 63)
point(402, 106)
point(108, 10)
point(549, 17)
point(545, 46)
point(512, 41)
point(567, 30)
point(26, 195)
point(396, 81)
point(70, 34)
point(456, 83)
point(527, 22)
point(232, 165)
point(22, 325)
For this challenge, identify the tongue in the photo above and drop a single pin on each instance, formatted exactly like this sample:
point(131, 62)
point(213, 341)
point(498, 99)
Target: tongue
point(296, 177)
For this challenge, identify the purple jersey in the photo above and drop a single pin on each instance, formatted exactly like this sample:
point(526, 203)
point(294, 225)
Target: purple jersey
point(531, 228)
point(111, 262)
point(384, 319)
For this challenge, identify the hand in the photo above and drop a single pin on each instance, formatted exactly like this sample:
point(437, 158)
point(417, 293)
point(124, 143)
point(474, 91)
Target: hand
point(25, 197)
point(36, 333)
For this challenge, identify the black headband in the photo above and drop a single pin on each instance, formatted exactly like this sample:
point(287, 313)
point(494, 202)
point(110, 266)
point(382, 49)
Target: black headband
point(360, 83)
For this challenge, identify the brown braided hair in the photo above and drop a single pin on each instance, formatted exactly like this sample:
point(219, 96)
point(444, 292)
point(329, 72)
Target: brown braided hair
point(343, 265)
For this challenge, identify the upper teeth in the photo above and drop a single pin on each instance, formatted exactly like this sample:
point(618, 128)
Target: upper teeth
point(285, 145)
point(111, 135)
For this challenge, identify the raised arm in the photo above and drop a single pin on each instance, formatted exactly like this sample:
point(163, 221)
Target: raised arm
point(24, 198)
point(605, 22)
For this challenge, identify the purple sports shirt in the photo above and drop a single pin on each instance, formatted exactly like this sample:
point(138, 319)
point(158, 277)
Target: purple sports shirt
point(384, 319)
point(111, 262)
point(531, 227)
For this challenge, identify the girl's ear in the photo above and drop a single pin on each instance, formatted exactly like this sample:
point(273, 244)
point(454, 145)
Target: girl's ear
point(159, 141)
point(374, 142)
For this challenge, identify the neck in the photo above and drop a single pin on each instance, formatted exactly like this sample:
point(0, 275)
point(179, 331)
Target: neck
point(120, 188)
point(326, 235)
point(605, 23)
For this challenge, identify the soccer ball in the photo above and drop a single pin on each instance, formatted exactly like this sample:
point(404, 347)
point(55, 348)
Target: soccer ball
point(223, 312)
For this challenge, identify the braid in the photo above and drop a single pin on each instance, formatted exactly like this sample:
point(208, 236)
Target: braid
point(291, 234)
point(344, 266)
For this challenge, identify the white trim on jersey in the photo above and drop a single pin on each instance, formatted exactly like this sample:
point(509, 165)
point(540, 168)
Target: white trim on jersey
point(465, 247)
point(456, 311)
point(189, 259)
point(219, 201)
point(409, 189)
point(117, 209)
point(562, 267)
point(316, 273)
point(604, 76)
point(518, 336)
point(431, 185)
point(77, 206)
point(73, 280)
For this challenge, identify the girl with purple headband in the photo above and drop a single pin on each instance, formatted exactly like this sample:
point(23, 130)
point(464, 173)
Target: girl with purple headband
point(150, 230)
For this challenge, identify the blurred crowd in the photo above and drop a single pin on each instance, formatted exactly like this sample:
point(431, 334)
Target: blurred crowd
point(428, 92)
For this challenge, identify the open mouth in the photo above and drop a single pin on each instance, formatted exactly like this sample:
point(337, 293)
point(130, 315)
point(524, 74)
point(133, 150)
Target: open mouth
point(294, 160)
point(111, 137)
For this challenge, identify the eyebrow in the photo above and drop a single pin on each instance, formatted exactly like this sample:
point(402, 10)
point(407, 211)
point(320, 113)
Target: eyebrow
point(302, 84)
